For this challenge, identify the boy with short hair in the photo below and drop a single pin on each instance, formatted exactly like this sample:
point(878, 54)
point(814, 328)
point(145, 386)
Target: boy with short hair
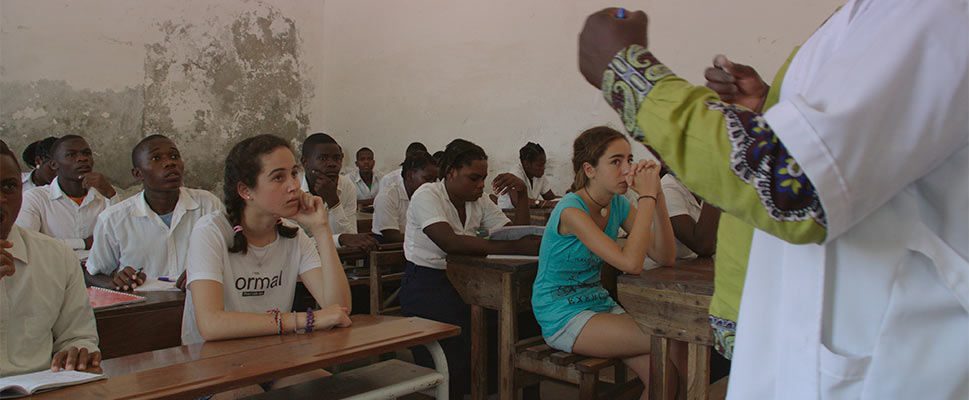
point(151, 229)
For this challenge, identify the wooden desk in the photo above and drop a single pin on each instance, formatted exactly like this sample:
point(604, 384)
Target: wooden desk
point(364, 223)
point(502, 285)
point(155, 323)
point(672, 303)
point(212, 367)
point(539, 216)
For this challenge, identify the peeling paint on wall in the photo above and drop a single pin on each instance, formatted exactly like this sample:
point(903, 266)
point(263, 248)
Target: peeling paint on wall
point(109, 120)
point(209, 85)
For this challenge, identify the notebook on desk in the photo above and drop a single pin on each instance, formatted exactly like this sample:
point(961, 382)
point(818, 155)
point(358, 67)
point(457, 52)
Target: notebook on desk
point(27, 384)
point(101, 297)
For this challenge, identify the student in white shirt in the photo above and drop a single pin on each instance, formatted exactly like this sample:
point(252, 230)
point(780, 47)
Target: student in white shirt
point(394, 177)
point(444, 218)
point(149, 230)
point(694, 221)
point(364, 177)
point(322, 160)
point(47, 321)
point(390, 206)
point(531, 170)
point(38, 156)
point(68, 208)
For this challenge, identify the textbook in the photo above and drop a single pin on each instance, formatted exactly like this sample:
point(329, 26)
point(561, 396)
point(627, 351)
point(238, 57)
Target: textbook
point(515, 232)
point(101, 297)
point(26, 384)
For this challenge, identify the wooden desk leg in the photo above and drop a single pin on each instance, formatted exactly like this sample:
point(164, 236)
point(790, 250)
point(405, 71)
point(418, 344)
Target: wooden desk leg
point(375, 289)
point(697, 372)
point(479, 354)
point(507, 336)
point(659, 352)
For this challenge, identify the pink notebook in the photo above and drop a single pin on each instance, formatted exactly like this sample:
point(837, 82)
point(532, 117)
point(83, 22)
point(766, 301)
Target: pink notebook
point(101, 297)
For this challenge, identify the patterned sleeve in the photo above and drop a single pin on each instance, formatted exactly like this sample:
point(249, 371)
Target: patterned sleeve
point(727, 154)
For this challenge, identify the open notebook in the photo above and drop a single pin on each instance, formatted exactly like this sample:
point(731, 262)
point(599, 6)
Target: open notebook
point(26, 384)
point(101, 297)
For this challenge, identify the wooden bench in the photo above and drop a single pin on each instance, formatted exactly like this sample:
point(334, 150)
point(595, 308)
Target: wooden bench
point(536, 357)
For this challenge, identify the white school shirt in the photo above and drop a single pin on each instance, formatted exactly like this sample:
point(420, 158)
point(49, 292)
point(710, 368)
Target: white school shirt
point(343, 218)
point(262, 279)
point(364, 192)
point(392, 178)
point(131, 234)
point(873, 108)
point(48, 210)
point(27, 183)
point(44, 306)
point(429, 205)
point(536, 187)
point(390, 209)
point(680, 201)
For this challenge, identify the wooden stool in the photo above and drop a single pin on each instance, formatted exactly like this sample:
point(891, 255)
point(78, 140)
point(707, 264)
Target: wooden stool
point(534, 356)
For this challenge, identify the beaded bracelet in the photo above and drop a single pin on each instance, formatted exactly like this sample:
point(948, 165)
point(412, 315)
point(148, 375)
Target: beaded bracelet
point(276, 321)
point(310, 319)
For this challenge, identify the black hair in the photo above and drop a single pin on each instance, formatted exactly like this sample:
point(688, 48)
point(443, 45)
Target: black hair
point(363, 149)
point(315, 139)
point(141, 146)
point(29, 153)
point(416, 162)
point(57, 143)
point(243, 164)
point(530, 152)
point(414, 147)
point(459, 153)
point(44, 147)
point(5, 151)
point(438, 156)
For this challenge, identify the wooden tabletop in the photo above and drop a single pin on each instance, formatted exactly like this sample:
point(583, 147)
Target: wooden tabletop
point(689, 276)
point(153, 301)
point(211, 367)
point(513, 265)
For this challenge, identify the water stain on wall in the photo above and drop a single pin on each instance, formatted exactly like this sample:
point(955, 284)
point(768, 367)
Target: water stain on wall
point(109, 120)
point(210, 85)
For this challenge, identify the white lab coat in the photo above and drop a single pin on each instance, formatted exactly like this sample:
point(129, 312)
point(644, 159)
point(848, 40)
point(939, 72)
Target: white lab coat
point(874, 108)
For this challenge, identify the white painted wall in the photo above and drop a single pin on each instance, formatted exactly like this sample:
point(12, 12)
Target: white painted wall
point(504, 72)
point(385, 73)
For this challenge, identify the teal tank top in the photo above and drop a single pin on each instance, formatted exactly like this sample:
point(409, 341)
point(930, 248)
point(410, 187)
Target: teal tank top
point(568, 279)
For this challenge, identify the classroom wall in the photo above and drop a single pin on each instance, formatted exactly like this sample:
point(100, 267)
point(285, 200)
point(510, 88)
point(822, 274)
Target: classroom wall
point(370, 73)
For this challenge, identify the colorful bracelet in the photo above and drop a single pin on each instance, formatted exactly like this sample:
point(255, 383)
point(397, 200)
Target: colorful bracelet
point(310, 319)
point(276, 320)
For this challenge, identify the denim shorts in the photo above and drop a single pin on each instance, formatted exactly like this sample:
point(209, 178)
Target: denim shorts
point(565, 337)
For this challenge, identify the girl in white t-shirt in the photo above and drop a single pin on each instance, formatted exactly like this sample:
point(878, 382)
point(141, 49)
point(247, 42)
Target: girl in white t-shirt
point(443, 218)
point(246, 261)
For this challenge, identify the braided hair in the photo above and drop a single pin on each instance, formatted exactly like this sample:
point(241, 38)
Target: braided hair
point(416, 162)
point(460, 153)
point(243, 165)
point(530, 152)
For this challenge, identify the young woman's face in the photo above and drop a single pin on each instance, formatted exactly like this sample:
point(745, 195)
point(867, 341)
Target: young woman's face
point(467, 183)
point(536, 168)
point(277, 187)
point(613, 166)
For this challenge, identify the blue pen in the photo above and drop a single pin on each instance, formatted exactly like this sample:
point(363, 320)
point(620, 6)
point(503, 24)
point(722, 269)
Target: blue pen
point(621, 14)
point(165, 279)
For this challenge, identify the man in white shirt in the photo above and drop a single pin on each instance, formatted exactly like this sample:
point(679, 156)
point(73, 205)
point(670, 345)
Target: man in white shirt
point(146, 236)
point(857, 282)
point(47, 321)
point(43, 172)
point(322, 159)
point(390, 206)
point(394, 177)
point(694, 221)
point(364, 177)
point(68, 208)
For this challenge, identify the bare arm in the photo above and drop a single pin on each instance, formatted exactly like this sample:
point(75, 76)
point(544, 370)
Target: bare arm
point(701, 235)
point(663, 247)
point(444, 237)
point(392, 235)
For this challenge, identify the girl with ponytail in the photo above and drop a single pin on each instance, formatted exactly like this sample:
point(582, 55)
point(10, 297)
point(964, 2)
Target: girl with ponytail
point(246, 261)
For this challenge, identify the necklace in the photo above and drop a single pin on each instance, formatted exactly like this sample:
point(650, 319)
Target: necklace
point(259, 259)
point(603, 211)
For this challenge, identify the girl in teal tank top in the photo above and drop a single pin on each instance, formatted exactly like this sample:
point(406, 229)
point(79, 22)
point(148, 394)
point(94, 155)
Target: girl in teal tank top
point(574, 310)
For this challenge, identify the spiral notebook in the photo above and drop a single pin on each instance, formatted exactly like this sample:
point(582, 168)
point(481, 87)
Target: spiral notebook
point(101, 297)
